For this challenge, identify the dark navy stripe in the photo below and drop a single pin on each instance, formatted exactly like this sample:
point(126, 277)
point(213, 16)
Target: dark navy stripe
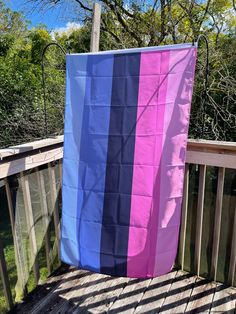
point(119, 170)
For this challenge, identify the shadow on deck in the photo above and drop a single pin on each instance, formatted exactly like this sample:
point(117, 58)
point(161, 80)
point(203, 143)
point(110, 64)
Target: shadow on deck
point(76, 291)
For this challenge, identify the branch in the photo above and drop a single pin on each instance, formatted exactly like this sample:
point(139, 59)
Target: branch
point(124, 10)
point(205, 13)
point(163, 20)
point(217, 27)
point(234, 5)
point(154, 6)
point(108, 30)
point(190, 15)
point(82, 6)
point(120, 19)
point(173, 25)
point(111, 33)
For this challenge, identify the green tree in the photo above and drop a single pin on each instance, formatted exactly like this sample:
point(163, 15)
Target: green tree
point(139, 23)
point(39, 39)
point(21, 101)
point(124, 24)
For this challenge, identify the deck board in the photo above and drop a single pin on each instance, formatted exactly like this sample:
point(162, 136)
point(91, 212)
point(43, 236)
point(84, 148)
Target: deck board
point(46, 291)
point(66, 291)
point(53, 300)
point(76, 291)
point(156, 293)
point(99, 297)
point(130, 297)
point(179, 294)
point(201, 297)
point(224, 300)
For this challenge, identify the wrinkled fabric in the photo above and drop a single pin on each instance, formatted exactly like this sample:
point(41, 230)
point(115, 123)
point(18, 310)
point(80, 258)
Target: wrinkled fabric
point(126, 127)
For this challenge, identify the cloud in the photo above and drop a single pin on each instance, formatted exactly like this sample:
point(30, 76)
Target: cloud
point(70, 26)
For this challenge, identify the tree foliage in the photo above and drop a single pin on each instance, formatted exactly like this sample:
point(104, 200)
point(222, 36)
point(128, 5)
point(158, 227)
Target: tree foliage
point(21, 101)
point(124, 24)
point(137, 23)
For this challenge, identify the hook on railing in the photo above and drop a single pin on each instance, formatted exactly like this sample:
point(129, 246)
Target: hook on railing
point(43, 82)
point(202, 36)
point(206, 77)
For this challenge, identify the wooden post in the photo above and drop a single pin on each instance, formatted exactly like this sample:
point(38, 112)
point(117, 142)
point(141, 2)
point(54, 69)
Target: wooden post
point(184, 217)
point(200, 206)
point(232, 262)
point(60, 171)
point(46, 219)
point(95, 35)
point(30, 224)
point(217, 223)
point(21, 276)
point(4, 278)
point(54, 198)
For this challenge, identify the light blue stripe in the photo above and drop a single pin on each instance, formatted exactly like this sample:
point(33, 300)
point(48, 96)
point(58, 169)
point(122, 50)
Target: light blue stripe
point(71, 193)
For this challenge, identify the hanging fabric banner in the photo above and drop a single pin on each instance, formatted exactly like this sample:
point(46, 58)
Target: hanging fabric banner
point(126, 128)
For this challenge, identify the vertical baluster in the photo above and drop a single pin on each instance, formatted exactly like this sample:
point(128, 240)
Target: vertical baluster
point(200, 206)
point(30, 224)
point(53, 189)
point(5, 278)
point(59, 180)
point(232, 262)
point(60, 171)
point(21, 276)
point(46, 218)
point(184, 217)
point(217, 223)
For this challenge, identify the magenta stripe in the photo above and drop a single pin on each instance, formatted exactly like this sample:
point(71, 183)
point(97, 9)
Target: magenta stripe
point(148, 150)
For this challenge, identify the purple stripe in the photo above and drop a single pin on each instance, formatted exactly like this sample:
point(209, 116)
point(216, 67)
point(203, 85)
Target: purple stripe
point(119, 174)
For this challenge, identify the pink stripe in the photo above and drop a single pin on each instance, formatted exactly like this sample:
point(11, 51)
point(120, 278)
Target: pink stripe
point(180, 81)
point(148, 150)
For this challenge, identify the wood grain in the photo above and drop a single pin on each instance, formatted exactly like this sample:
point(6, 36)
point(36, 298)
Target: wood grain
point(232, 263)
point(30, 225)
point(156, 293)
point(79, 291)
point(8, 168)
point(4, 278)
point(200, 206)
point(211, 159)
point(201, 297)
point(184, 213)
point(179, 294)
point(45, 213)
point(95, 34)
point(54, 201)
point(19, 259)
point(224, 300)
point(217, 223)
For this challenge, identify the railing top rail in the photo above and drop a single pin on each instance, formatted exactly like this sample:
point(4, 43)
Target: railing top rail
point(27, 147)
point(211, 145)
point(195, 145)
point(192, 144)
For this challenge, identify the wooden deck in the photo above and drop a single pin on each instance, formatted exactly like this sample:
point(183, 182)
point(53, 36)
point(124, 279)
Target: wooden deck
point(76, 291)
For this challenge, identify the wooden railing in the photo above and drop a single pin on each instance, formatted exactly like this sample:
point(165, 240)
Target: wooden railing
point(37, 167)
point(40, 159)
point(218, 157)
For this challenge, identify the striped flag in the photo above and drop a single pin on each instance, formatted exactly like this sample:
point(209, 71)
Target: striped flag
point(126, 127)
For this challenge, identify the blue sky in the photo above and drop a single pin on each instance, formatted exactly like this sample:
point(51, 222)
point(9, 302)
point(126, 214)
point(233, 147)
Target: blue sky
point(58, 17)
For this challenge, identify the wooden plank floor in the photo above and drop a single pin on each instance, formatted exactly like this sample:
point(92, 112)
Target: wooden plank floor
point(77, 291)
